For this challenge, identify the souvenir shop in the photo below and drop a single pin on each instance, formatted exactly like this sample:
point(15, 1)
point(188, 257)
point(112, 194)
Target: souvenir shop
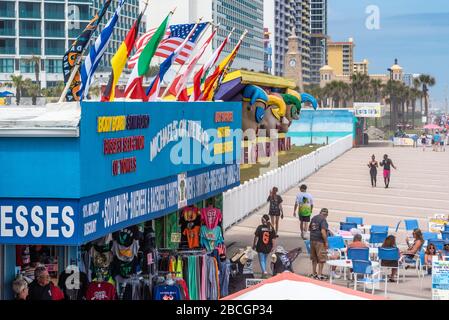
point(156, 235)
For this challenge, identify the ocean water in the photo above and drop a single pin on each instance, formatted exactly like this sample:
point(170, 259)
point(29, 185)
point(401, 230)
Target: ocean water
point(321, 126)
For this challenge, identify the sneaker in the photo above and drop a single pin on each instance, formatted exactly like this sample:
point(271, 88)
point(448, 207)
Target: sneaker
point(335, 275)
point(322, 277)
point(313, 275)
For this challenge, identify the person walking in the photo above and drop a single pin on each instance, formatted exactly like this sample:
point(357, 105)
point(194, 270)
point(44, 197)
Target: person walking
point(275, 210)
point(387, 163)
point(423, 141)
point(373, 165)
point(443, 141)
point(319, 230)
point(304, 204)
point(436, 141)
point(264, 242)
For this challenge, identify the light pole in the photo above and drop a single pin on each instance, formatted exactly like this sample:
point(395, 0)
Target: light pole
point(391, 97)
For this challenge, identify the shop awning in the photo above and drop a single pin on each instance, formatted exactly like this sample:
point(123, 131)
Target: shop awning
point(290, 286)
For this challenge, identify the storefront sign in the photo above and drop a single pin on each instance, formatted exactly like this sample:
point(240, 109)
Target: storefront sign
point(436, 225)
point(403, 142)
point(73, 222)
point(440, 280)
point(368, 110)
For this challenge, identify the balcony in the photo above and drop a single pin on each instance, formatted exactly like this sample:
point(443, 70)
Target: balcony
point(7, 9)
point(30, 10)
point(7, 28)
point(30, 46)
point(54, 47)
point(7, 46)
point(30, 28)
point(54, 29)
point(54, 11)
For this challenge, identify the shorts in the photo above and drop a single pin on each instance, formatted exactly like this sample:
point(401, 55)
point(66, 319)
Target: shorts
point(423, 141)
point(274, 213)
point(317, 252)
point(387, 173)
point(389, 263)
point(304, 218)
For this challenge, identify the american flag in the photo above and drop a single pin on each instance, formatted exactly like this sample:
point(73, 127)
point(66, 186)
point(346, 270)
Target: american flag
point(174, 37)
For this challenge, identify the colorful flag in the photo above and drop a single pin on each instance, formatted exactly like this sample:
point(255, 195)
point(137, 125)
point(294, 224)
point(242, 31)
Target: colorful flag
point(118, 61)
point(181, 80)
point(201, 74)
point(91, 62)
point(174, 37)
point(76, 50)
point(153, 90)
point(214, 80)
point(134, 88)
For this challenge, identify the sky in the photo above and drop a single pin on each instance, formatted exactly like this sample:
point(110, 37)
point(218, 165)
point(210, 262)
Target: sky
point(415, 32)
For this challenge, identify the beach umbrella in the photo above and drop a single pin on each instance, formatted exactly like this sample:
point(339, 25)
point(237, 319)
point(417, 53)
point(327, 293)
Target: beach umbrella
point(432, 126)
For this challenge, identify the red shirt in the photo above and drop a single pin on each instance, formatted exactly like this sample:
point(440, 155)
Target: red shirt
point(100, 291)
point(211, 217)
point(193, 237)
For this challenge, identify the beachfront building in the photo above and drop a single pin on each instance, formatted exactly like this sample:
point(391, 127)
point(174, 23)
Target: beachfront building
point(340, 56)
point(45, 29)
point(361, 67)
point(238, 14)
point(282, 16)
point(318, 39)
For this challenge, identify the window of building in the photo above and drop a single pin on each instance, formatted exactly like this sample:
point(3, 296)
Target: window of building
point(54, 29)
point(6, 65)
point(26, 66)
point(54, 11)
point(53, 66)
point(7, 46)
point(30, 28)
point(7, 9)
point(54, 47)
point(29, 10)
point(30, 46)
point(7, 28)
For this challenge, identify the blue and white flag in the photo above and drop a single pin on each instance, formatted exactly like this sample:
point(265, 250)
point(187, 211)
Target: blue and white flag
point(96, 52)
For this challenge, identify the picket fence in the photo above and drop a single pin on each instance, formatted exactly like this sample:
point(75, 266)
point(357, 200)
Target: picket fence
point(241, 201)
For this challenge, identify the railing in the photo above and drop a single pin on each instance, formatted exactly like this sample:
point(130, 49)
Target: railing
point(250, 196)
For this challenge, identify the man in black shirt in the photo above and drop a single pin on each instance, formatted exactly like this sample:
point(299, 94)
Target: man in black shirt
point(318, 243)
point(387, 163)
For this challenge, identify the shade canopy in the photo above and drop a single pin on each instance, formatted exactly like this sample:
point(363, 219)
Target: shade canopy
point(290, 286)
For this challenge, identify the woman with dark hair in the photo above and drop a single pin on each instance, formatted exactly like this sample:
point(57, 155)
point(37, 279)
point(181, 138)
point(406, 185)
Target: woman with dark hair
point(390, 243)
point(373, 165)
point(275, 210)
point(431, 251)
point(264, 242)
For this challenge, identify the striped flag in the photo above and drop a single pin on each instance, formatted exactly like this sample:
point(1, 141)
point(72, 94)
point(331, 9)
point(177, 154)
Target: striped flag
point(200, 75)
point(96, 52)
point(180, 82)
point(214, 80)
point(76, 50)
point(153, 90)
point(134, 88)
point(173, 38)
point(118, 61)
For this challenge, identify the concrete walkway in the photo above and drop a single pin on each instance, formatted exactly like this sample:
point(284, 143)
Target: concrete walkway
point(418, 190)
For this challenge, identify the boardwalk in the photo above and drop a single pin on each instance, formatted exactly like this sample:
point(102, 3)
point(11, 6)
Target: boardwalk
point(418, 190)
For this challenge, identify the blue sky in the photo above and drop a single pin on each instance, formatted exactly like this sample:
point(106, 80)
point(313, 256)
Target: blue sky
point(415, 32)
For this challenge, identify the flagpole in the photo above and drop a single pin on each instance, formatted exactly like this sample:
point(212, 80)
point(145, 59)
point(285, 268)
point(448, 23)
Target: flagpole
point(180, 66)
point(226, 69)
point(216, 26)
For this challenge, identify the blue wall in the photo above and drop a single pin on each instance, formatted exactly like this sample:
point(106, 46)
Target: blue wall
point(321, 126)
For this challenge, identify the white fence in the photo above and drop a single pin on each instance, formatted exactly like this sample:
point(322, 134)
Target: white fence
point(248, 197)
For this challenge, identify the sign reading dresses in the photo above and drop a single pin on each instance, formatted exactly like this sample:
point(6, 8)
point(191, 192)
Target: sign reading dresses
point(133, 162)
point(440, 279)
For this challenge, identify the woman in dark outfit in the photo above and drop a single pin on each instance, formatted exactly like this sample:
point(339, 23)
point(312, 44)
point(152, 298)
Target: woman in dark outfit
point(275, 210)
point(373, 165)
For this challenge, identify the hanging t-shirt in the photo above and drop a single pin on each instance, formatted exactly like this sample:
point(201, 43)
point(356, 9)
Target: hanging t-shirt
point(127, 236)
point(124, 268)
point(211, 217)
point(74, 286)
point(167, 292)
point(190, 217)
point(211, 237)
point(101, 291)
point(265, 236)
point(125, 253)
point(193, 237)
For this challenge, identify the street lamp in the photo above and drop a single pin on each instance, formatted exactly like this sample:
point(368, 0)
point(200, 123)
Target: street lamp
point(391, 97)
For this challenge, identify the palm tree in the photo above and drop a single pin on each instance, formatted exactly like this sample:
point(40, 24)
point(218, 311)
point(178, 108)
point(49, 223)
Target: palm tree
point(426, 81)
point(19, 83)
point(376, 88)
point(33, 90)
point(37, 62)
point(360, 84)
